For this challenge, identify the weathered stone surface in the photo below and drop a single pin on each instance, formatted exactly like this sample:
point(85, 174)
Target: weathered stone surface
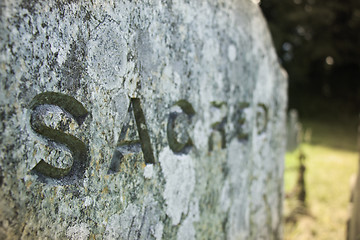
point(139, 120)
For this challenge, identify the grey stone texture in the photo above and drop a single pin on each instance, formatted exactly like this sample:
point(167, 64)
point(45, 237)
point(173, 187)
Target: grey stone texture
point(139, 120)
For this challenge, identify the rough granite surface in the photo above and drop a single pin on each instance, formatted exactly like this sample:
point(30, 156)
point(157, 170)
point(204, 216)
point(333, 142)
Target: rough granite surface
point(139, 120)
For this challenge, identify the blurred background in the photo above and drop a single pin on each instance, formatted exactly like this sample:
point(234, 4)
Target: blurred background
point(318, 43)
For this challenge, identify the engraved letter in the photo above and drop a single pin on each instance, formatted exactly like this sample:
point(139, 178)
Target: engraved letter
point(179, 120)
point(261, 118)
point(71, 109)
point(217, 137)
point(134, 137)
point(241, 121)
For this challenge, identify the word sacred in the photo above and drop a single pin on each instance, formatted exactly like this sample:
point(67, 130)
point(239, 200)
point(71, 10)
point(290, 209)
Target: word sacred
point(180, 117)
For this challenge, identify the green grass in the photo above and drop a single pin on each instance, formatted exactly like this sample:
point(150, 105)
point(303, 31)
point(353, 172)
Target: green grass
point(331, 160)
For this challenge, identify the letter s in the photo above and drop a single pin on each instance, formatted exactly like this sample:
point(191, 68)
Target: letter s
point(74, 110)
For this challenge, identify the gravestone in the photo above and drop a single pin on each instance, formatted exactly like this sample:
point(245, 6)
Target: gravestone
point(353, 223)
point(139, 120)
point(293, 138)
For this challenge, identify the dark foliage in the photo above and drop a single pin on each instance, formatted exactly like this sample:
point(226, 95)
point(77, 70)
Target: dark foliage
point(318, 43)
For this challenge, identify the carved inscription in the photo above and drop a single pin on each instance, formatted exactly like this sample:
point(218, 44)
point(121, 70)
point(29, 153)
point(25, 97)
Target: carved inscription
point(240, 120)
point(217, 139)
point(134, 137)
point(179, 120)
point(262, 118)
point(72, 109)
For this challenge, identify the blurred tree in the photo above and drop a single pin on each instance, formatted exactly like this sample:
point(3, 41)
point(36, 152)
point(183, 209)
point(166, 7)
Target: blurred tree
point(318, 43)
